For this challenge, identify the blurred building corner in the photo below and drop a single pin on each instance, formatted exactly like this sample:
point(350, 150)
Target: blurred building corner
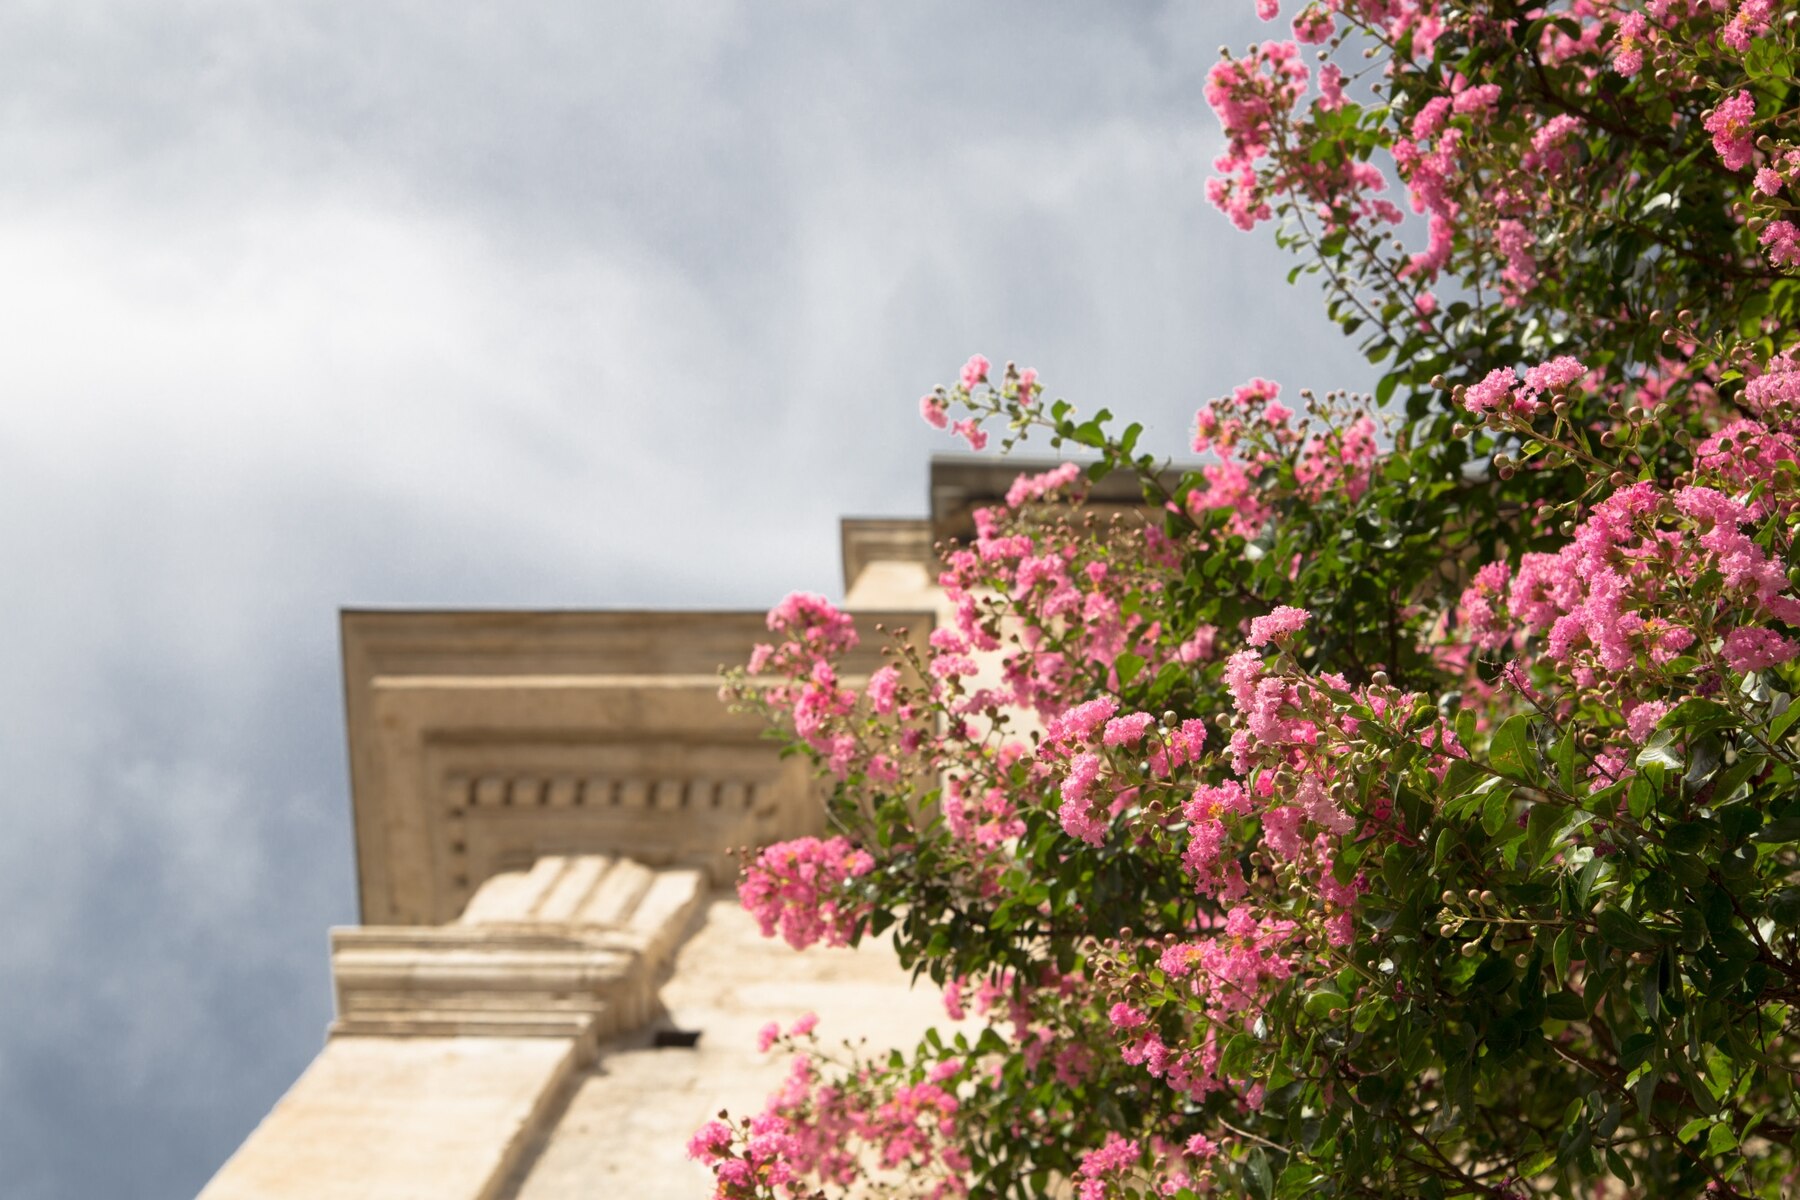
point(547, 807)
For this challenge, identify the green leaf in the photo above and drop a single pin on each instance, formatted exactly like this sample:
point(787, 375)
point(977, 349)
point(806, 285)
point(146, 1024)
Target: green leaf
point(1781, 829)
point(1622, 931)
point(1659, 755)
point(1784, 907)
point(1129, 666)
point(1496, 810)
point(1239, 1054)
point(1565, 1006)
point(1324, 1002)
point(1698, 716)
point(1541, 823)
point(1511, 752)
point(1688, 1132)
point(1258, 1179)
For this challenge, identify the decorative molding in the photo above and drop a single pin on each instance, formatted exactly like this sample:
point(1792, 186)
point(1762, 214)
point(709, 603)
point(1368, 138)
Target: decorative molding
point(572, 947)
point(481, 741)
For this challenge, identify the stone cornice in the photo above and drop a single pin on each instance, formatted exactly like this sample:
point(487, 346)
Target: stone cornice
point(481, 741)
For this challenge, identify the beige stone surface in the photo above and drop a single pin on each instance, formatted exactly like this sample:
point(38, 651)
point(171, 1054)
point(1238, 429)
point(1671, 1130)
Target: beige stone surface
point(627, 1119)
point(574, 946)
point(401, 1119)
point(482, 741)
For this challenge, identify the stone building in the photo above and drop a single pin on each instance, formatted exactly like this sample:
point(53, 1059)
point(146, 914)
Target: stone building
point(545, 807)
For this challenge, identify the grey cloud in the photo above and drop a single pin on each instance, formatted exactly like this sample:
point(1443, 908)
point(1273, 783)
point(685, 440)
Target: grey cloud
point(543, 304)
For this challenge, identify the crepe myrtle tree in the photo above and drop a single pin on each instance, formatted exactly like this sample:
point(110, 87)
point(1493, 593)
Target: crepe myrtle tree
point(1405, 803)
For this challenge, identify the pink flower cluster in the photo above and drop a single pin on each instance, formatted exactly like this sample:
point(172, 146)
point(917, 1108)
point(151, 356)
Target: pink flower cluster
point(1650, 575)
point(1027, 488)
point(1501, 392)
point(1250, 95)
point(746, 1163)
point(1732, 125)
point(812, 629)
point(799, 888)
point(1278, 625)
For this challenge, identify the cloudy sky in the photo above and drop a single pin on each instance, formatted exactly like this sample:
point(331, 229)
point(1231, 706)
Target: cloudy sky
point(312, 305)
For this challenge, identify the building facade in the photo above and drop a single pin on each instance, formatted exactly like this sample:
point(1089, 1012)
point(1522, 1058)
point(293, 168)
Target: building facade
point(553, 985)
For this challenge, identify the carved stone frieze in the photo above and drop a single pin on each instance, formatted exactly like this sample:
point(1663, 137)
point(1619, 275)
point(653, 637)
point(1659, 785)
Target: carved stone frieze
point(481, 741)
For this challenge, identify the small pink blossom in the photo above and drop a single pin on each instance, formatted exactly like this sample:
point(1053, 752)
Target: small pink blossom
point(798, 888)
point(884, 684)
point(1314, 26)
point(1782, 240)
point(1279, 624)
point(710, 1140)
point(935, 410)
point(1127, 730)
point(1078, 809)
point(1753, 648)
point(1492, 394)
point(975, 371)
point(1731, 126)
point(1557, 375)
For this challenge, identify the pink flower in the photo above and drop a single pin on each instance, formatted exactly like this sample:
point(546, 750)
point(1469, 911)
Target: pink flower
point(1331, 81)
point(1127, 730)
point(1077, 811)
point(1492, 394)
point(799, 887)
point(1731, 127)
point(1079, 723)
point(1768, 181)
point(1479, 100)
point(934, 409)
point(883, 684)
point(1633, 35)
point(953, 998)
point(971, 432)
point(1027, 488)
point(1283, 621)
point(975, 371)
point(1314, 26)
point(1752, 648)
point(1316, 802)
point(710, 1140)
point(1124, 1016)
point(1782, 240)
point(1643, 719)
point(767, 1036)
point(1557, 375)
